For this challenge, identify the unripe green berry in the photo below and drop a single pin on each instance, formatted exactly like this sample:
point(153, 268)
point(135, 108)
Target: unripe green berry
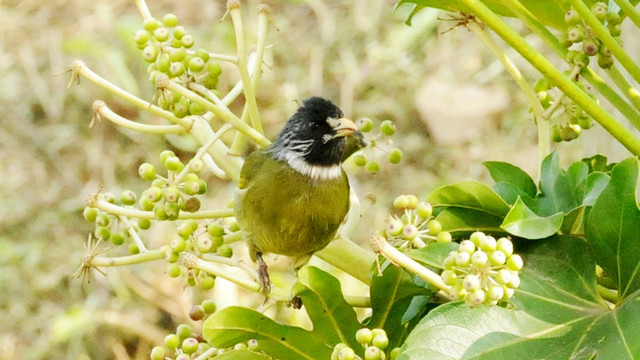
point(134, 249)
point(253, 344)
point(359, 159)
point(189, 345)
point(173, 163)
point(373, 353)
point(215, 230)
point(225, 250)
point(605, 51)
point(171, 194)
point(178, 244)
point(444, 237)
point(128, 197)
point(395, 156)
point(605, 62)
point(450, 260)
point(581, 60)
point(479, 258)
point(172, 341)
point(488, 243)
point(177, 55)
point(196, 165)
point(364, 336)
point(434, 227)
point(571, 55)
point(503, 276)
point(170, 20)
point(203, 54)
point(409, 232)
point(151, 24)
point(187, 41)
point(377, 331)
point(545, 99)
point(541, 85)
point(505, 245)
point(179, 32)
point(214, 69)
point(209, 306)
point(497, 258)
point(381, 341)
point(364, 124)
point(424, 210)
point(515, 280)
point(150, 53)
point(372, 167)
point(449, 277)
point(393, 355)
point(191, 187)
point(102, 232)
point(585, 122)
point(463, 259)
point(203, 186)
point(90, 214)
point(476, 237)
point(207, 283)
point(575, 34)
point(183, 331)
point(346, 354)
point(572, 17)
point(210, 82)
point(401, 202)
point(413, 201)
point(161, 34)
point(467, 246)
point(185, 230)
point(173, 270)
point(508, 292)
point(205, 245)
point(514, 262)
point(471, 282)
point(394, 227)
point(176, 69)
point(196, 64)
point(144, 224)
point(495, 292)
point(157, 353)
point(475, 297)
point(108, 197)
point(103, 219)
point(141, 37)
point(117, 238)
point(555, 133)
point(336, 350)
point(599, 9)
point(613, 18)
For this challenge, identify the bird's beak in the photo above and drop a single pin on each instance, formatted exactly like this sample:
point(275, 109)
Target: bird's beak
point(345, 127)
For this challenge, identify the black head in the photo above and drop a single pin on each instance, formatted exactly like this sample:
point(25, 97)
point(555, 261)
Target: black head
point(316, 133)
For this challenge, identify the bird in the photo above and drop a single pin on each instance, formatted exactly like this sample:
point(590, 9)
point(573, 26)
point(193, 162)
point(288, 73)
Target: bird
point(293, 195)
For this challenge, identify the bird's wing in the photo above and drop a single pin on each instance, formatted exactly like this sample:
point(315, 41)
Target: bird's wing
point(251, 167)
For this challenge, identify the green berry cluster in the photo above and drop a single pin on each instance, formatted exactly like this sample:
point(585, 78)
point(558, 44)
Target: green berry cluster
point(109, 226)
point(374, 343)
point(167, 47)
point(568, 119)
point(184, 344)
point(416, 227)
point(191, 241)
point(380, 143)
point(167, 196)
point(483, 270)
point(582, 40)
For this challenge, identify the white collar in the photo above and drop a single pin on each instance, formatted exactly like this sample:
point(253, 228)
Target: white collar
point(315, 172)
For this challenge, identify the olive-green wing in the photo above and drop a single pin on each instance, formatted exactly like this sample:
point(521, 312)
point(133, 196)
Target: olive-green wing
point(251, 167)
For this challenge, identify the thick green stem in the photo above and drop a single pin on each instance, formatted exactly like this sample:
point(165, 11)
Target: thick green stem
point(544, 144)
point(589, 75)
point(603, 35)
point(101, 109)
point(629, 10)
point(629, 91)
point(243, 67)
point(348, 257)
point(542, 64)
point(142, 257)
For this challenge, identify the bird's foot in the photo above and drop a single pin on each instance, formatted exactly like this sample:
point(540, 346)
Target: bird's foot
point(263, 275)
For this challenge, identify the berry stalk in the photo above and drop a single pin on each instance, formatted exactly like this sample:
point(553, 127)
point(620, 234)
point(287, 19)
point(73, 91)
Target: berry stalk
point(629, 10)
point(102, 111)
point(627, 89)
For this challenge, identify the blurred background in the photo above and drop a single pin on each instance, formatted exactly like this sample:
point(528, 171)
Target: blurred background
point(453, 104)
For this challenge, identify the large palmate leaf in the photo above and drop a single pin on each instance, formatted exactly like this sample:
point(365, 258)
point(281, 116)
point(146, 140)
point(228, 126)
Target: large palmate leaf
point(613, 228)
point(333, 320)
point(556, 314)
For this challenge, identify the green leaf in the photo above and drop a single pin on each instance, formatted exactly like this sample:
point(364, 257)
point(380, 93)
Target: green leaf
point(556, 314)
point(548, 12)
point(557, 188)
point(613, 226)
point(523, 222)
point(589, 190)
point(242, 354)
point(434, 254)
point(391, 298)
point(469, 195)
point(510, 193)
point(460, 220)
point(511, 174)
point(235, 324)
point(333, 319)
